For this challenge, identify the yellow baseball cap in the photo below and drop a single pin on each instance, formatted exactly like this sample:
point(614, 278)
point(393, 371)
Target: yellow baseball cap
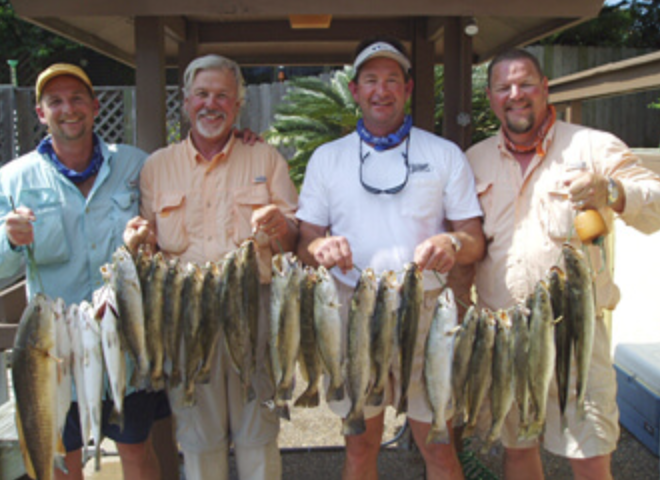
point(58, 69)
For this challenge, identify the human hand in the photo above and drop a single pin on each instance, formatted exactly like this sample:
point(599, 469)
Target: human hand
point(18, 226)
point(334, 251)
point(436, 253)
point(588, 190)
point(270, 220)
point(138, 232)
point(248, 136)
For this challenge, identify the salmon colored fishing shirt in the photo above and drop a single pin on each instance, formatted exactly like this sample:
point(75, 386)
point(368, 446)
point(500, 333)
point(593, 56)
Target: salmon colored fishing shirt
point(528, 217)
point(202, 209)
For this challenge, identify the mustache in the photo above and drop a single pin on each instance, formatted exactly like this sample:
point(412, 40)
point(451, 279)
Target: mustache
point(210, 111)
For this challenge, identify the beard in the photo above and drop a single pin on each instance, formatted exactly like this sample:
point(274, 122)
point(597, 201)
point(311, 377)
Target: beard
point(520, 124)
point(210, 132)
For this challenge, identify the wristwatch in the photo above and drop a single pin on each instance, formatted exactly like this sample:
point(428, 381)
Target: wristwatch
point(455, 242)
point(612, 192)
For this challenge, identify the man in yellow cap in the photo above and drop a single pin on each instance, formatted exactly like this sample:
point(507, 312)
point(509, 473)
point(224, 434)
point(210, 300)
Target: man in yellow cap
point(74, 194)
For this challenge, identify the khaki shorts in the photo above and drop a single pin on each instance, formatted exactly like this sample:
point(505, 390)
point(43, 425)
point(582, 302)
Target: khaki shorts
point(418, 406)
point(220, 416)
point(597, 434)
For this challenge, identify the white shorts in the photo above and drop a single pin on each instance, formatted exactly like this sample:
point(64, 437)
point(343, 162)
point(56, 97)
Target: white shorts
point(220, 416)
point(418, 406)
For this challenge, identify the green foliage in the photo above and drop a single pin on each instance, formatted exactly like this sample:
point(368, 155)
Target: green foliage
point(27, 42)
point(311, 114)
point(629, 23)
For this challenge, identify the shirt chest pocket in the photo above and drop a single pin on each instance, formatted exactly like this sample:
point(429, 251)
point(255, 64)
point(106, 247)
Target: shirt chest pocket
point(423, 198)
point(171, 222)
point(51, 245)
point(245, 201)
point(556, 214)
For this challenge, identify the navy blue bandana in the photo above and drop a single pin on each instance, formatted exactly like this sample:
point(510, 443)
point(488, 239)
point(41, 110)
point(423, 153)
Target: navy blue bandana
point(383, 143)
point(46, 148)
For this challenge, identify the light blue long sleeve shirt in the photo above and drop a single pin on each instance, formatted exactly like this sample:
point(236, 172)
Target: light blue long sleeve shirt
point(73, 235)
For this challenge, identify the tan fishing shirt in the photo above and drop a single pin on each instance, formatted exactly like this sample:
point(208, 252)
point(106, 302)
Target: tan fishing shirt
point(202, 209)
point(528, 217)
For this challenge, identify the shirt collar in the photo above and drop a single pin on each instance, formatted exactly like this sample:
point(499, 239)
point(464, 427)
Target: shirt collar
point(198, 159)
point(547, 141)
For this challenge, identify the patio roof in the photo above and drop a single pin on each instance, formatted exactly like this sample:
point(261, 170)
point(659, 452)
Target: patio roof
point(151, 35)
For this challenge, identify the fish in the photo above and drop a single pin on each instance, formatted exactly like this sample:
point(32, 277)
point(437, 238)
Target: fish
point(480, 376)
point(191, 318)
point(502, 390)
point(438, 356)
point(463, 345)
point(288, 342)
point(519, 316)
point(358, 375)
point(412, 295)
point(63, 353)
point(172, 324)
point(282, 268)
point(250, 288)
point(34, 378)
point(581, 305)
point(130, 307)
point(92, 371)
point(328, 328)
point(105, 307)
point(541, 357)
point(236, 328)
point(309, 361)
point(556, 280)
point(210, 328)
point(384, 339)
point(77, 358)
point(153, 317)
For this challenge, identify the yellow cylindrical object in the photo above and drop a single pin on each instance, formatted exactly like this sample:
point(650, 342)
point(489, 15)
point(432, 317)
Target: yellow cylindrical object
point(589, 225)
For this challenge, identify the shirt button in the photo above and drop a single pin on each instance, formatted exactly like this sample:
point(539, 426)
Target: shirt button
point(210, 238)
point(208, 204)
point(93, 246)
point(87, 210)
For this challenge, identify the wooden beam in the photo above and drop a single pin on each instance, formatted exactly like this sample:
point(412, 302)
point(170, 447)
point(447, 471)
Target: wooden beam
point(77, 35)
point(529, 36)
point(574, 112)
point(275, 59)
point(435, 27)
point(187, 53)
point(150, 83)
point(617, 78)
point(175, 28)
point(33, 8)
point(281, 31)
point(423, 98)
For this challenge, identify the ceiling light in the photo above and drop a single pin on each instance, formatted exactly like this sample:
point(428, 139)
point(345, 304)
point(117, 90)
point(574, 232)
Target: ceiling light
point(310, 21)
point(471, 27)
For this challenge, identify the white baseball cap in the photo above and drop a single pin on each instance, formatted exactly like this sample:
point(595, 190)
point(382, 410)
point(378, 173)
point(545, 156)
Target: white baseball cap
point(381, 49)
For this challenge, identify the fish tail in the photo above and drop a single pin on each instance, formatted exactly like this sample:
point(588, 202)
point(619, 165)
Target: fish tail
point(354, 424)
point(335, 393)
point(203, 376)
point(375, 398)
point(438, 435)
point(309, 399)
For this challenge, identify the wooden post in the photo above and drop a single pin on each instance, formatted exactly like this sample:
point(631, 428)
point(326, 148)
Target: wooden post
point(187, 53)
point(150, 83)
point(457, 122)
point(423, 97)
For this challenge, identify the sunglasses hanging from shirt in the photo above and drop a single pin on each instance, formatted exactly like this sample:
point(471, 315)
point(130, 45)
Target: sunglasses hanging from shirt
point(391, 190)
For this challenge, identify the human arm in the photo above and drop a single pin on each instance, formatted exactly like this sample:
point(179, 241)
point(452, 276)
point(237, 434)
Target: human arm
point(316, 248)
point(438, 252)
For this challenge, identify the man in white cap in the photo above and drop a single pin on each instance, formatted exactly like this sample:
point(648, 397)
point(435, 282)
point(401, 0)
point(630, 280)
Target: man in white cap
point(73, 196)
point(382, 196)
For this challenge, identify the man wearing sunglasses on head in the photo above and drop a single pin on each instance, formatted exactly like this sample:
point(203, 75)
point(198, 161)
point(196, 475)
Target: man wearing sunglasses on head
point(380, 197)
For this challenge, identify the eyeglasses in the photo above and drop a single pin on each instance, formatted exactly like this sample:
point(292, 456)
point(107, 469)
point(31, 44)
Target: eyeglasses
point(391, 190)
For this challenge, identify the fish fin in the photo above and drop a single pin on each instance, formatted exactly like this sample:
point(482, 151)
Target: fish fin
point(354, 425)
point(250, 394)
point(29, 467)
point(335, 394)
